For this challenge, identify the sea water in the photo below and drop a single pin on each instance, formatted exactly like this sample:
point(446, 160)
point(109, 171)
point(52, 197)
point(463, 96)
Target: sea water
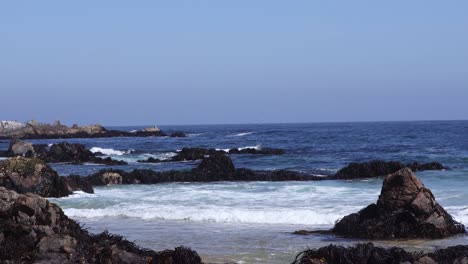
point(252, 222)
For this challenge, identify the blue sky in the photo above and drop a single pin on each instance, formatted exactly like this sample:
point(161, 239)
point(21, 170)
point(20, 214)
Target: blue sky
point(205, 62)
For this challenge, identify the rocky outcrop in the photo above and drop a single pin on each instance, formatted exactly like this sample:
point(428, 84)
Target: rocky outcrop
point(199, 153)
point(369, 254)
point(405, 209)
point(377, 168)
point(217, 167)
point(33, 230)
point(36, 130)
point(58, 152)
point(32, 175)
point(178, 134)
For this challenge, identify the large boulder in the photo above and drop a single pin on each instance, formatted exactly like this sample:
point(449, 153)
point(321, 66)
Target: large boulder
point(377, 168)
point(21, 148)
point(405, 209)
point(32, 175)
point(33, 230)
point(215, 167)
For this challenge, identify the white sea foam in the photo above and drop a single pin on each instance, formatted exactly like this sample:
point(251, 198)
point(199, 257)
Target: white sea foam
point(195, 134)
point(257, 147)
point(213, 214)
point(240, 134)
point(110, 151)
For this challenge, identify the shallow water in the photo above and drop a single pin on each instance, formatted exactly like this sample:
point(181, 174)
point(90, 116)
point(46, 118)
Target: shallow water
point(252, 222)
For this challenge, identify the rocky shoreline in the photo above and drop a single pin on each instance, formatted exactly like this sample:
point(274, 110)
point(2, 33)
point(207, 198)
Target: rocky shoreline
point(37, 130)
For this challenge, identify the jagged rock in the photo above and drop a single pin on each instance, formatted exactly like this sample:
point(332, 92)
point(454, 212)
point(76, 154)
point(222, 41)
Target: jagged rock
point(215, 166)
point(380, 168)
point(33, 230)
point(21, 148)
point(32, 175)
point(405, 209)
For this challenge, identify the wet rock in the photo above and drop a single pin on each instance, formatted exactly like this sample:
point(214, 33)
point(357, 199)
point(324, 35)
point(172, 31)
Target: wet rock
point(32, 175)
point(262, 151)
point(59, 152)
point(377, 168)
point(405, 209)
point(199, 153)
point(213, 168)
point(33, 230)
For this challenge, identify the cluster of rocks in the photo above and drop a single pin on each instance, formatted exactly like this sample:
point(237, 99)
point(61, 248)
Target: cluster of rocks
point(58, 152)
point(367, 253)
point(187, 154)
point(36, 130)
point(214, 168)
point(33, 230)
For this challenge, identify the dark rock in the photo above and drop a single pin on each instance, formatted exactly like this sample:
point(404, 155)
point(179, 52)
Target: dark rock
point(369, 254)
point(59, 152)
point(216, 166)
point(199, 153)
point(377, 168)
point(178, 134)
point(213, 168)
point(262, 151)
point(405, 209)
point(33, 230)
point(360, 253)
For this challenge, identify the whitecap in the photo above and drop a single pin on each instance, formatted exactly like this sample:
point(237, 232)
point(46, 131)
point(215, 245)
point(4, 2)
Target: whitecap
point(110, 151)
point(241, 134)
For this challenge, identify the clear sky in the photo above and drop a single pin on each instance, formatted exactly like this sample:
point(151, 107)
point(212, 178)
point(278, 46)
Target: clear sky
point(204, 62)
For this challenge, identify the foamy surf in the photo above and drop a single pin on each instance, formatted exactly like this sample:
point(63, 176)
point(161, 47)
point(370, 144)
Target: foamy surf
point(241, 134)
point(257, 147)
point(110, 151)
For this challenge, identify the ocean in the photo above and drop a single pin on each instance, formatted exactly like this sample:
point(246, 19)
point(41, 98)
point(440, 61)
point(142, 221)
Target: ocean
point(252, 222)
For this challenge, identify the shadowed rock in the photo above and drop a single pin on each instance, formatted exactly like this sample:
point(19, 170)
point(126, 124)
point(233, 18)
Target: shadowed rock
point(405, 209)
point(369, 254)
point(33, 230)
point(32, 175)
point(377, 168)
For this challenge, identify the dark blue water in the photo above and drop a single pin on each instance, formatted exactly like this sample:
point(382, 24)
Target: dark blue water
point(309, 147)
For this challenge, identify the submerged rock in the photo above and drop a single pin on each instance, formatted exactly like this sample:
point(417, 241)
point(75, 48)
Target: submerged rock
point(405, 209)
point(369, 254)
point(33, 230)
point(377, 168)
point(32, 175)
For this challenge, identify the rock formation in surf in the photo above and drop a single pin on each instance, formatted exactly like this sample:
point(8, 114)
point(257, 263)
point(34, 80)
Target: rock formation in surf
point(32, 175)
point(33, 230)
point(405, 209)
point(58, 152)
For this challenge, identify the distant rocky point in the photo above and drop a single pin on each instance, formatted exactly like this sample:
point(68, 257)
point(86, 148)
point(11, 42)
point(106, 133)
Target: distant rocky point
point(37, 130)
